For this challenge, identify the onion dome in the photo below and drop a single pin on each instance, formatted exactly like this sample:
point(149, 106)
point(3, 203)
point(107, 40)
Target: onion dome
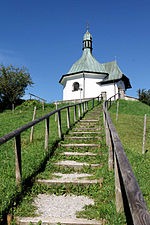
point(87, 62)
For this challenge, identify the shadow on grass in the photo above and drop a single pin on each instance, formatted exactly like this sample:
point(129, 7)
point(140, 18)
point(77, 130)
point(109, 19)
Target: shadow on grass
point(27, 184)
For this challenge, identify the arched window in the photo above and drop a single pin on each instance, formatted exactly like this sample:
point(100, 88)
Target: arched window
point(75, 86)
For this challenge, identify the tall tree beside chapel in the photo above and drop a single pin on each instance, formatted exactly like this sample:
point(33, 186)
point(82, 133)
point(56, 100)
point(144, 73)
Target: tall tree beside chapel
point(13, 82)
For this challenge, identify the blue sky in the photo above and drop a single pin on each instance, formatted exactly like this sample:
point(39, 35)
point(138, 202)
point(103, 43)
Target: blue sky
point(46, 37)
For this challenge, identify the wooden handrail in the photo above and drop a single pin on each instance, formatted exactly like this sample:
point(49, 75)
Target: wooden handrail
point(17, 133)
point(113, 98)
point(37, 97)
point(126, 184)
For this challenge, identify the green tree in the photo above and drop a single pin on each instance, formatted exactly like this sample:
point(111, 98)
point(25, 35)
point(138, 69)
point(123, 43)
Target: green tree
point(13, 82)
point(144, 96)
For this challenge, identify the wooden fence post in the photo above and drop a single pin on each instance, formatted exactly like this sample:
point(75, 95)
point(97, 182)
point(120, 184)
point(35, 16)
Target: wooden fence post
point(46, 133)
point(13, 107)
point(82, 108)
point(108, 143)
point(104, 118)
point(75, 113)
point(79, 112)
point(93, 103)
point(68, 117)
point(43, 105)
point(110, 153)
point(59, 124)
point(144, 134)
point(107, 132)
point(56, 113)
point(34, 113)
point(119, 200)
point(85, 106)
point(18, 158)
point(107, 104)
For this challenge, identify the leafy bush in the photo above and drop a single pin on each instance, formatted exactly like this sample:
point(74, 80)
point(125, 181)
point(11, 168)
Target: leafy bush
point(29, 104)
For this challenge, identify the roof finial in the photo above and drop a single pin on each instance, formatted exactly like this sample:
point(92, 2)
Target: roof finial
point(87, 26)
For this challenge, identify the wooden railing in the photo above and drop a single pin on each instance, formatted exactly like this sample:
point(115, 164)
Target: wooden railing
point(82, 108)
point(128, 194)
point(112, 99)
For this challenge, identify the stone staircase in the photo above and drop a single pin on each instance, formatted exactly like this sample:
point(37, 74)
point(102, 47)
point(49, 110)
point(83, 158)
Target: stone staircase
point(79, 146)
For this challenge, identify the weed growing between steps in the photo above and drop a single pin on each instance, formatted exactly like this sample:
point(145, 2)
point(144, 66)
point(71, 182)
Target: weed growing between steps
point(102, 193)
point(33, 154)
point(103, 196)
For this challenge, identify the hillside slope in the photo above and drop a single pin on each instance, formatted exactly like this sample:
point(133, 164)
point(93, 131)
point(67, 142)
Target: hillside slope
point(130, 126)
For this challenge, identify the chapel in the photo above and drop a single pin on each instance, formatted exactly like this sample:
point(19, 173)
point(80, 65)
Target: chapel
point(87, 78)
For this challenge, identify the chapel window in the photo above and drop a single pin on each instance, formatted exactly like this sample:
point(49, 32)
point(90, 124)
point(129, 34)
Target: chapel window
point(75, 86)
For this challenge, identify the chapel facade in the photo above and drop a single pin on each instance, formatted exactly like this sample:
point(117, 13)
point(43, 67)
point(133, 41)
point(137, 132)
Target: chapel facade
point(87, 78)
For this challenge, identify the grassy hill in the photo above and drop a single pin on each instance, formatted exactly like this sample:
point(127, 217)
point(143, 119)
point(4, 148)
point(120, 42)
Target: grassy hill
point(33, 154)
point(130, 126)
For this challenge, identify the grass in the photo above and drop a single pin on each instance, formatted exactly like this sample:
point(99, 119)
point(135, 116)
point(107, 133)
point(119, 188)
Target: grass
point(130, 126)
point(103, 195)
point(33, 154)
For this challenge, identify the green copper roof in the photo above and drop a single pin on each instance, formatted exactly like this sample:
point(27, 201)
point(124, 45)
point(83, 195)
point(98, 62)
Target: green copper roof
point(114, 71)
point(87, 62)
point(115, 74)
point(87, 36)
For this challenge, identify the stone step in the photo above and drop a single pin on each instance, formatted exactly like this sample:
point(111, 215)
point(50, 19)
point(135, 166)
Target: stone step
point(84, 132)
point(92, 115)
point(73, 178)
point(82, 138)
point(84, 128)
point(55, 221)
point(89, 120)
point(75, 182)
point(87, 126)
point(80, 145)
point(75, 164)
point(88, 123)
point(78, 154)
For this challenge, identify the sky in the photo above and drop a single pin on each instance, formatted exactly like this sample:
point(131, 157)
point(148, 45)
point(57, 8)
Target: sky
point(46, 37)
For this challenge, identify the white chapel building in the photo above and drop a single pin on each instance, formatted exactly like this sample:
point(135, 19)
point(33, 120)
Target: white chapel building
point(87, 78)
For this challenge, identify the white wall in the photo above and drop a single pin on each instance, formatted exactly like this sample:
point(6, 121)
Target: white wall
point(68, 92)
point(88, 82)
point(109, 88)
point(92, 89)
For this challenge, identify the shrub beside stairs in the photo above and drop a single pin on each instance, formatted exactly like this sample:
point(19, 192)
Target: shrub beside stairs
point(78, 153)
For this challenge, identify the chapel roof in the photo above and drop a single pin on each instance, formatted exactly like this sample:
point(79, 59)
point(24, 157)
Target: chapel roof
point(115, 74)
point(87, 62)
point(114, 71)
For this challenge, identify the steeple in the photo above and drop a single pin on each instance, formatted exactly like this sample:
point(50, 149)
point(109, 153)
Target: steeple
point(87, 40)
point(87, 62)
